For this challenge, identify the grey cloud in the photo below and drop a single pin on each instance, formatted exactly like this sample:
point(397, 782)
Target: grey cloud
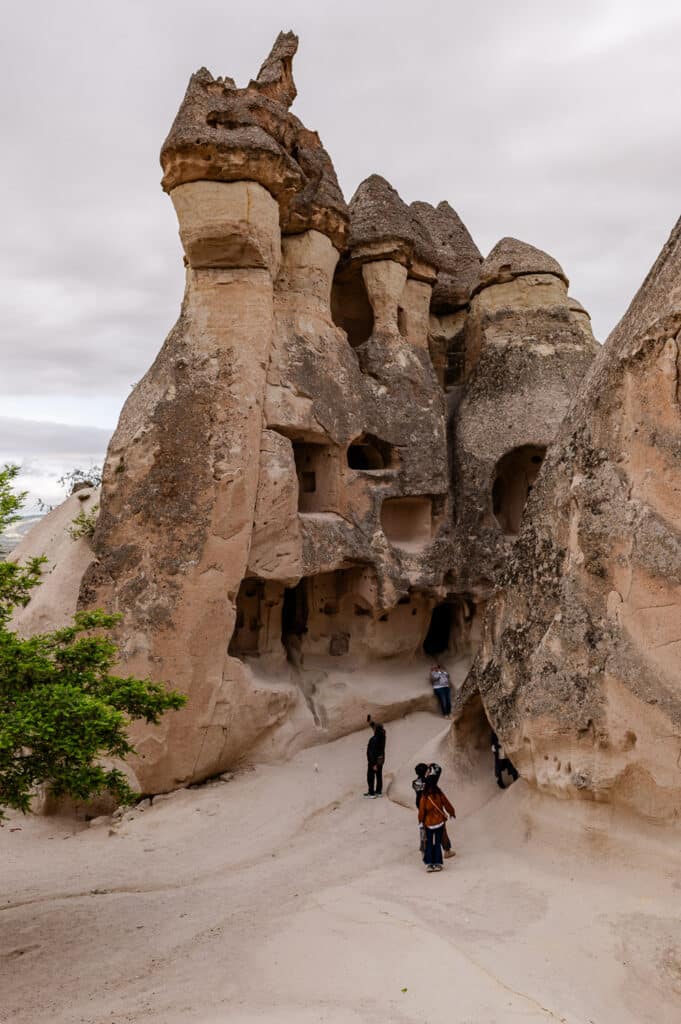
point(24, 440)
point(555, 125)
point(45, 452)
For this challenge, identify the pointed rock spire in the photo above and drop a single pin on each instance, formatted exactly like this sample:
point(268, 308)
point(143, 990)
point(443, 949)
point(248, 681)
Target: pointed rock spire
point(458, 257)
point(275, 78)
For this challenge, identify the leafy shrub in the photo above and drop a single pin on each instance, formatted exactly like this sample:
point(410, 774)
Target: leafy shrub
point(84, 523)
point(61, 708)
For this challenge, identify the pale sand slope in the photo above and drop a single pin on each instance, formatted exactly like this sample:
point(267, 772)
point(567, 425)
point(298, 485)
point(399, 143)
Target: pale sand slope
point(283, 896)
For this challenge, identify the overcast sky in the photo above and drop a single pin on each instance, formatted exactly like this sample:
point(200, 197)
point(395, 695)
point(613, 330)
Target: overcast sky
point(555, 123)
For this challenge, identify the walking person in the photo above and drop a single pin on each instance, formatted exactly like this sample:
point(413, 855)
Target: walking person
point(441, 683)
point(375, 759)
point(433, 810)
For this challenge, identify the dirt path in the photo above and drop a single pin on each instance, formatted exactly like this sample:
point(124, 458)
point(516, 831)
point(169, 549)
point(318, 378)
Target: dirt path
point(283, 896)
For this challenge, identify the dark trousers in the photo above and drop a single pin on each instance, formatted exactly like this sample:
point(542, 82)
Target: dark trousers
point(433, 851)
point(443, 694)
point(375, 778)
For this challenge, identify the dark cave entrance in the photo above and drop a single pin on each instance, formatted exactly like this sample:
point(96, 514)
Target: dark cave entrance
point(455, 362)
point(439, 630)
point(350, 306)
point(514, 478)
point(452, 628)
point(294, 615)
point(294, 611)
point(369, 453)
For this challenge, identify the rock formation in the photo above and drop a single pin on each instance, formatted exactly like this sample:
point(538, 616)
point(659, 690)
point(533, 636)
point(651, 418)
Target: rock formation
point(581, 660)
point(524, 353)
point(314, 487)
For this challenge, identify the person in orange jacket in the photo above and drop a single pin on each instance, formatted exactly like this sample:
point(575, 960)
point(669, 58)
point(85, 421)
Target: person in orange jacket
point(434, 807)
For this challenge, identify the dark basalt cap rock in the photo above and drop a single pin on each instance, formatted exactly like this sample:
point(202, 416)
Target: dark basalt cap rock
point(222, 133)
point(379, 219)
point(458, 257)
point(511, 258)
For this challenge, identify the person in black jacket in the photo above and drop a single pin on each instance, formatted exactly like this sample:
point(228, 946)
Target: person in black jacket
point(502, 763)
point(375, 759)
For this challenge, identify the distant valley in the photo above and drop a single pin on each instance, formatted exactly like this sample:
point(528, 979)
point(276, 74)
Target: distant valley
point(16, 533)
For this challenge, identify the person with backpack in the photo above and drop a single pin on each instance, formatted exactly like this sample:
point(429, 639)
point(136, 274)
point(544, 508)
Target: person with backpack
point(375, 759)
point(436, 771)
point(434, 807)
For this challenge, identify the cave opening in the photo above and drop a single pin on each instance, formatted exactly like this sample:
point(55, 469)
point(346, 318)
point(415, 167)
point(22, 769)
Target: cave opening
point(514, 478)
point(408, 522)
point(475, 734)
point(369, 453)
point(351, 309)
point(453, 628)
point(439, 630)
point(294, 616)
point(455, 361)
point(472, 726)
point(316, 467)
point(248, 625)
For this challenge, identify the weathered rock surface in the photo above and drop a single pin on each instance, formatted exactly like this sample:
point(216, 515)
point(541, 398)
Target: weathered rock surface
point(524, 356)
point(311, 491)
point(581, 661)
point(54, 603)
point(458, 257)
point(222, 133)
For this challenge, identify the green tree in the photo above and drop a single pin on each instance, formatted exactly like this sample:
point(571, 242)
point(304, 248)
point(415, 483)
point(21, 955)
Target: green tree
point(61, 708)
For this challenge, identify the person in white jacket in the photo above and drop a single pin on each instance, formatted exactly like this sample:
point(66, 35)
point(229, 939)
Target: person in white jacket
point(441, 683)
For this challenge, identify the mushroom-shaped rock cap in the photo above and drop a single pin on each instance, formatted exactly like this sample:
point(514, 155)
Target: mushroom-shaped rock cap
point(575, 306)
point(381, 221)
point(458, 257)
point(222, 133)
point(511, 258)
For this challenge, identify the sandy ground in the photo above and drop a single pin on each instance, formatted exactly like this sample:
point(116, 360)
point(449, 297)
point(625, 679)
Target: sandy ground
point(283, 896)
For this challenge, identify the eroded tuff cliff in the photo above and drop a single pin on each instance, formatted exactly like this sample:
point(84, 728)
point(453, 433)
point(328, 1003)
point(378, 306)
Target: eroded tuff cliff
point(312, 490)
point(580, 666)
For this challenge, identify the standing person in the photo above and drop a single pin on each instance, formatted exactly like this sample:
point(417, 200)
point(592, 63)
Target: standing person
point(433, 810)
point(439, 678)
point(375, 759)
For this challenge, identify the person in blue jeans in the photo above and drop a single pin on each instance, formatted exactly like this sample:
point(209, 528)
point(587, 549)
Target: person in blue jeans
point(433, 810)
point(441, 683)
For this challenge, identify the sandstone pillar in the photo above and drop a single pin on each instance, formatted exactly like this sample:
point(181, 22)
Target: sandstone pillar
point(180, 479)
point(385, 281)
